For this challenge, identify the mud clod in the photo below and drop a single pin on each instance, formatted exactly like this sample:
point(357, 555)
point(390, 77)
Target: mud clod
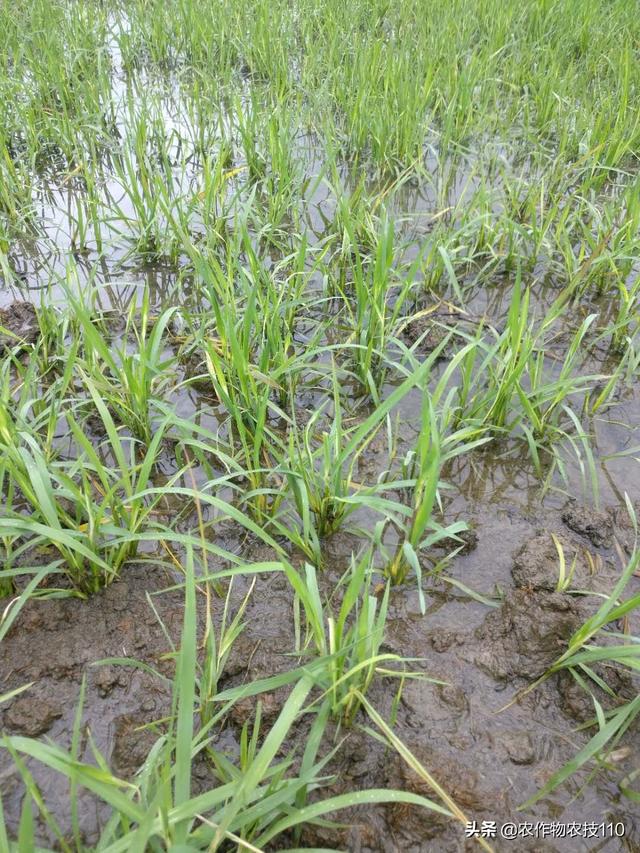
point(576, 702)
point(454, 697)
point(460, 781)
point(464, 542)
point(526, 635)
point(519, 747)
point(31, 716)
point(595, 526)
point(536, 565)
point(427, 329)
point(132, 744)
point(109, 677)
point(243, 711)
point(469, 539)
point(442, 641)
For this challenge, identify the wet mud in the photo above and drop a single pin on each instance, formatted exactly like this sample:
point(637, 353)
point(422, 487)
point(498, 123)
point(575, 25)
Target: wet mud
point(18, 326)
point(489, 753)
point(469, 721)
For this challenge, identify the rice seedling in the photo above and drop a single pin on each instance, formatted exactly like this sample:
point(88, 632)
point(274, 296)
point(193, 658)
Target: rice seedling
point(251, 362)
point(254, 803)
point(320, 477)
point(16, 189)
point(375, 314)
point(87, 227)
point(32, 402)
point(371, 241)
point(149, 194)
point(217, 651)
point(626, 321)
point(211, 201)
point(273, 317)
point(87, 511)
point(412, 523)
point(564, 577)
point(280, 184)
point(630, 364)
point(245, 391)
point(513, 390)
point(350, 642)
point(129, 380)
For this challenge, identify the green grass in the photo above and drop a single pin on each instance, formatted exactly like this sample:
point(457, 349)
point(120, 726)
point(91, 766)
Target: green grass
point(253, 803)
point(377, 241)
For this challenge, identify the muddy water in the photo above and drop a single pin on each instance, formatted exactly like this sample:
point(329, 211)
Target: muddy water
point(490, 758)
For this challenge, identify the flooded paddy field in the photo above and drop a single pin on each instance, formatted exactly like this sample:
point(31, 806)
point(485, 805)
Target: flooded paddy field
point(319, 445)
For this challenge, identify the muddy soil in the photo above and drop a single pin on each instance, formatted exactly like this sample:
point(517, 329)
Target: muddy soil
point(18, 325)
point(491, 753)
point(55, 644)
point(489, 757)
